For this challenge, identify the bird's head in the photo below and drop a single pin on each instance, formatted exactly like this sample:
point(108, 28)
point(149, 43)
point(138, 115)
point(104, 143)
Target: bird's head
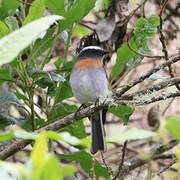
point(92, 57)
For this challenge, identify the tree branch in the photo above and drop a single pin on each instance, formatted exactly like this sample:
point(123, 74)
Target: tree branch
point(122, 160)
point(131, 14)
point(147, 75)
point(141, 54)
point(147, 100)
point(20, 144)
point(163, 41)
point(151, 89)
point(57, 125)
point(156, 155)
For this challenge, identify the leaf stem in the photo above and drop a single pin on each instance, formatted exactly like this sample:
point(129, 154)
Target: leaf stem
point(29, 88)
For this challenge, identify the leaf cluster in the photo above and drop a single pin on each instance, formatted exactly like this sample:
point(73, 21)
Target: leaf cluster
point(36, 97)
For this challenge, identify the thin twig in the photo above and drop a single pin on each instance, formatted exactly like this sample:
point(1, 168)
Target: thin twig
point(141, 54)
point(25, 3)
point(20, 144)
point(151, 89)
point(163, 7)
point(122, 160)
point(168, 166)
point(153, 99)
point(107, 167)
point(163, 41)
point(168, 105)
point(147, 75)
point(57, 125)
point(126, 20)
point(156, 153)
point(85, 25)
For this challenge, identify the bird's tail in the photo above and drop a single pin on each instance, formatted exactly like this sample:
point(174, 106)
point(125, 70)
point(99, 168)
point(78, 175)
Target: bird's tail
point(98, 132)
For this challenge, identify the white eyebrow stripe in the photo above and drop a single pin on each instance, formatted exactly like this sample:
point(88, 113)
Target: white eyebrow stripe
point(91, 47)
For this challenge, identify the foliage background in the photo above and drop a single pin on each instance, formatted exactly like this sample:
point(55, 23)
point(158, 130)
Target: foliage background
point(36, 58)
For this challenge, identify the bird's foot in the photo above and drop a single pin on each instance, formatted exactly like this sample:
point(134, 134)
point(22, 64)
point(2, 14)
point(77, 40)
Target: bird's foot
point(77, 113)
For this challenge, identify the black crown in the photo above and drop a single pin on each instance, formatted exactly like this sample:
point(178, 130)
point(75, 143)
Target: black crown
point(92, 52)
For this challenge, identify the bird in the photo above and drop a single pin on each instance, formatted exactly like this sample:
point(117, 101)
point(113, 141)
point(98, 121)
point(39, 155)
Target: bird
point(89, 83)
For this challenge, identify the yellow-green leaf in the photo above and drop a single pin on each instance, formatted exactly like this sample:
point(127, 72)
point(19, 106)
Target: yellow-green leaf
point(173, 126)
point(12, 44)
point(3, 29)
point(40, 151)
point(133, 134)
point(52, 169)
point(36, 11)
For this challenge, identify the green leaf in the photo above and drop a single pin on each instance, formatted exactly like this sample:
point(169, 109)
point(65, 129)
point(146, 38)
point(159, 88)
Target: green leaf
point(12, 44)
point(39, 156)
point(24, 135)
point(45, 82)
point(7, 97)
point(12, 23)
point(173, 126)
point(27, 123)
point(41, 45)
point(80, 31)
point(56, 77)
point(5, 76)
point(86, 162)
point(6, 121)
point(53, 135)
point(133, 134)
point(69, 139)
point(123, 112)
point(51, 169)
point(67, 66)
point(36, 73)
point(76, 129)
point(61, 110)
point(65, 91)
point(57, 6)
point(7, 6)
point(21, 96)
point(18, 134)
point(176, 165)
point(6, 136)
point(36, 11)
point(40, 151)
point(77, 11)
point(145, 29)
point(154, 20)
point(177, 152)
point(49, 76)
point(50, 81)
point(68, 170)
point(59, 62)
point(124, 54)
point(3, 29)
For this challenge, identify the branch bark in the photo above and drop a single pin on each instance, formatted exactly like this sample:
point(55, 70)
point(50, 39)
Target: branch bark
point(55, 126)
point(147, 75)
point(20, 144)
point(151, 89)
point(139, 162)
